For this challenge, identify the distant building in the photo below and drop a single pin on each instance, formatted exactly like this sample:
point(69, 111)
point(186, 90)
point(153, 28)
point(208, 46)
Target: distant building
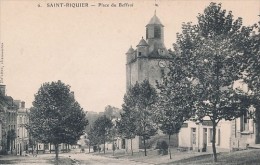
point(22, 140)
point(8, 115)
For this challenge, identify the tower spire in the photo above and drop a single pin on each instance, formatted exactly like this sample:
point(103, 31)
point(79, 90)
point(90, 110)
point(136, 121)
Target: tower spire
point(155, 5)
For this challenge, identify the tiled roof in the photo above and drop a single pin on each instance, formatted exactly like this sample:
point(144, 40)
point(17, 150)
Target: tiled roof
point(142, 42)
point(130, 50)
point(154, 21)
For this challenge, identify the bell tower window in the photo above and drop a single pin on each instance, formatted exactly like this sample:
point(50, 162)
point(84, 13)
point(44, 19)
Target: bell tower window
point(157, 32)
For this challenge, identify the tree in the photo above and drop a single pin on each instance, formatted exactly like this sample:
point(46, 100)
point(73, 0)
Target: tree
point(113, 135)
point(250, 45)
point(102, 127)
point(127, 124)
point(2, 100)
point(112, 112)
point(56, 117)
point(213, 60)
point(175, 103)
point(144, 97)
point(93, 138)
point(91, 117)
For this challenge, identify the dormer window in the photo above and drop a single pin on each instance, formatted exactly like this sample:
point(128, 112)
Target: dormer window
point(139, 54)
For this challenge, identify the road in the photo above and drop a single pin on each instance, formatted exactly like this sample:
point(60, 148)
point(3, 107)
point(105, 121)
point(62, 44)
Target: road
point(88, 159)
point(80, 159)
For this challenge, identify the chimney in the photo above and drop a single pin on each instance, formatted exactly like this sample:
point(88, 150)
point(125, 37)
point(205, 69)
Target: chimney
point(2, 89)
point(22, 104)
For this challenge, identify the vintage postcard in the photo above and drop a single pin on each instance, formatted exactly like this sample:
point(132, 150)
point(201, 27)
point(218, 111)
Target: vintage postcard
point(99, 50)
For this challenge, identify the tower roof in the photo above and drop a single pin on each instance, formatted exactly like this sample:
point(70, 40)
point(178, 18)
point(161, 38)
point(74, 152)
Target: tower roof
point(154, 21)
point(142, 42)
point(130, 50)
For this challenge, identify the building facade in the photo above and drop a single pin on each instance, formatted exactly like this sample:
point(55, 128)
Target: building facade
point(13, 118)
point(198, 136)
point(240, 133)
point(22, 140)
point(245, 133)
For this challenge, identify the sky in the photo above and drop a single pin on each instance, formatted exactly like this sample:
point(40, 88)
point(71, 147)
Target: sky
point(85, 47)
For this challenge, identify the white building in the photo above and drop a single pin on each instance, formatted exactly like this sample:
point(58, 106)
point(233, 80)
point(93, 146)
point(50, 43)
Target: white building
point(22, 135)
point(198, 136)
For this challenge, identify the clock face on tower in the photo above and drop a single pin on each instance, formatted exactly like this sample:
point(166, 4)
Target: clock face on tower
point(161, 52)
point(162, 63)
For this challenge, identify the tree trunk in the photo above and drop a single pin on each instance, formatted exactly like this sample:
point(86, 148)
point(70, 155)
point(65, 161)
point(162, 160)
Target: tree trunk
point(144, 147)
point(104, 146)
point(37, 149)
point(170, 147)
point(214, 142)
point(50, 147)
point(89, 148)
point(132, 147)
point(56, 153)
point(113, 148)
point(11, 146)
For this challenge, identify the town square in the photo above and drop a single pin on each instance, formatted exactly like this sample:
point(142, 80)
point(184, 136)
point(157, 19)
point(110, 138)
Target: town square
point(129, 82)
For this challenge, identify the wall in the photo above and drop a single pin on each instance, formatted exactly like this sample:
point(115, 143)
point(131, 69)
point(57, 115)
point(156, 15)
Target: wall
point(204, 136)
point(135, 144)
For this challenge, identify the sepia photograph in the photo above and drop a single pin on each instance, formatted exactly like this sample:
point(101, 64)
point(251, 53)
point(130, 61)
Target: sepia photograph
point(92, 82)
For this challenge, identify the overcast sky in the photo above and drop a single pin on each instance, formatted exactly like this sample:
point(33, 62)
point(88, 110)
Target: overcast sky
point(85, 47)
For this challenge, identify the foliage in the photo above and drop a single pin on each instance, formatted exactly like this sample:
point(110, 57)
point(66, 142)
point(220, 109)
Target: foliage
point(141, 99)
point(164, 145)
point(2, 100)
point(213, 61)
point(126, 126)
point(102, 130)
point(112, 112)
point(175, 104)
point(91, 117)
point(93, 137)
point(251, 48)
point(56, 117)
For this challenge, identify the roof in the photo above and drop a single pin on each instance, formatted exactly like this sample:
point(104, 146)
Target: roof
point(142, 42)
point(130, 50)
point(154, 21)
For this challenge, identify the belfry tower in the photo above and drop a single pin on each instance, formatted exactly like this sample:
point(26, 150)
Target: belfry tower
point(150, 57)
